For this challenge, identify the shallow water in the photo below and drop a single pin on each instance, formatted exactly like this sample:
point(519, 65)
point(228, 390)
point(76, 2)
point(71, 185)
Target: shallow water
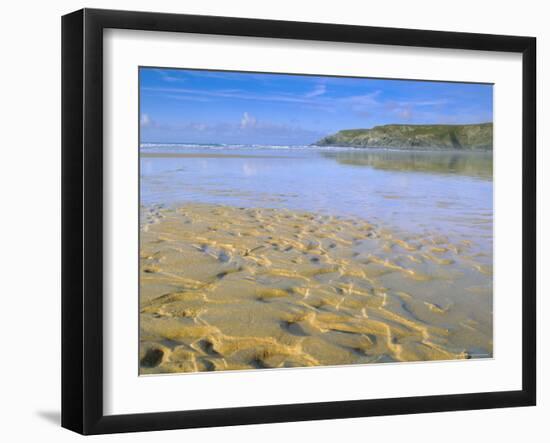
point(449, 193)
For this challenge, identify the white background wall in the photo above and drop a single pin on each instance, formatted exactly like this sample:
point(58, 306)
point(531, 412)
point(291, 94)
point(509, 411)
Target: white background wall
point(30, 217)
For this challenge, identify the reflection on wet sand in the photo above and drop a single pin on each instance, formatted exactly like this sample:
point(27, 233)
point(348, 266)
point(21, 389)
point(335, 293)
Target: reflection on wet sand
point(476, 164)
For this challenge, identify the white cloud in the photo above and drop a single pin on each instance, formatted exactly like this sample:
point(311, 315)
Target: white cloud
point(248, 121)
point(405, 113)
point(167, 76)
point(145, 121)
point(187, 93)
point(200, 126)
point(319, 90)
point(370, 99)
point(363, 105)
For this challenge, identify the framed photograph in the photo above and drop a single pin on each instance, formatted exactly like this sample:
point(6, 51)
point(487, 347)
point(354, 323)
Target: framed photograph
point(269, 221)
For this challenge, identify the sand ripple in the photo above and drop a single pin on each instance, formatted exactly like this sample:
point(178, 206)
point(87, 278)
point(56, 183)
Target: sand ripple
point(225, 288)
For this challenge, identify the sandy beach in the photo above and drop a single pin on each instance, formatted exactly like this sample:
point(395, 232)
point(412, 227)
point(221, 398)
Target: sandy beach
point(230, 288)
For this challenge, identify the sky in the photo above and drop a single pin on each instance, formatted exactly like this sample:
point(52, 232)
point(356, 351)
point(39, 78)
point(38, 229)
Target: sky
point(194, 106)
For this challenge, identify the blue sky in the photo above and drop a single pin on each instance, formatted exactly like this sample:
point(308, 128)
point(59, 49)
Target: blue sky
point(178, 105)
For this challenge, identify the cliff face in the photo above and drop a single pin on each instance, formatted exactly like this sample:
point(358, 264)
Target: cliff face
point(476, 137)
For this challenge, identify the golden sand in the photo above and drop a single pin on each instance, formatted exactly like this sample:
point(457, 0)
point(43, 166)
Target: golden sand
point(225, 288)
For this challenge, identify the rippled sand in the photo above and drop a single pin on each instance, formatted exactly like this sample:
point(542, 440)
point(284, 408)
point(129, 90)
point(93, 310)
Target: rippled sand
point(226, 288)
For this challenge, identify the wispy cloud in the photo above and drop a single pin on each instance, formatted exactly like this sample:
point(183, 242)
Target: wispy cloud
point(364, 105)
point(145, 121)
point(320, 89)
point(370, 98)
point(316, 98)
point(248, 121)
point(229, 75)
point(169, 75)
point(409, 110)
point(231, 93)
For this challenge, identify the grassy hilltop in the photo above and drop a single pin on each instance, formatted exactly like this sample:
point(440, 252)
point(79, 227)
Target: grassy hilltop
point(474, 137)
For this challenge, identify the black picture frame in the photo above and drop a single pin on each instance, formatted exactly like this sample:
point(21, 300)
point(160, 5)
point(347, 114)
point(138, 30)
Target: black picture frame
point(82, 219)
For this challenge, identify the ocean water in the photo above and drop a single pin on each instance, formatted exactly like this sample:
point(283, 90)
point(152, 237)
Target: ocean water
point(448, 193)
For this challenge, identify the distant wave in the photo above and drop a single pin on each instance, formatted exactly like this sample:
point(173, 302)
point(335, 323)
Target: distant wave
point(156, 147)
point(180, 145)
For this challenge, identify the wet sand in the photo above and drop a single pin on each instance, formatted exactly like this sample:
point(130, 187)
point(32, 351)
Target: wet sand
point(228, 288)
